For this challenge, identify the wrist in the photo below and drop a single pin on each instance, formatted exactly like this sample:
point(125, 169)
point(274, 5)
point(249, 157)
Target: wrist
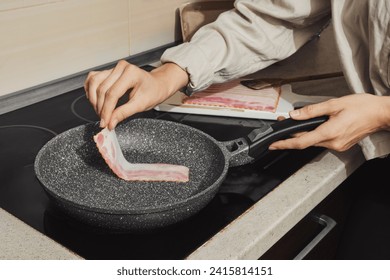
point(172, 77)
point(385, 112)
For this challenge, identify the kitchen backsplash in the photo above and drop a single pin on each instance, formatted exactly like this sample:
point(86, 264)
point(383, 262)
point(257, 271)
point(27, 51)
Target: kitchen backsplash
point(46, 40)
point(20, 4)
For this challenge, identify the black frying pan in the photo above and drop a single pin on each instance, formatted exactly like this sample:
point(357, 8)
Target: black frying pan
point(77, 179)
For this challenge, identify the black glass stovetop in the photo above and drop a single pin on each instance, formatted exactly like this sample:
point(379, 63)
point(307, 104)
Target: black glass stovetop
point(24, 131)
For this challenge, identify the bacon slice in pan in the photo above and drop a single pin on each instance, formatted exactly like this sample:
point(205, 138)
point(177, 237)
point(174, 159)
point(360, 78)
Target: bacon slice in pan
point(234, 95)
point(108, 146)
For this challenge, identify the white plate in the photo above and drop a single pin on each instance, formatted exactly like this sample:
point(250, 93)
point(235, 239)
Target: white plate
point(288, 101)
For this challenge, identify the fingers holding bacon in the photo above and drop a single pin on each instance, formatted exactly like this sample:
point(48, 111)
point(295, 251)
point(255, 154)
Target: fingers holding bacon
point(144, 89)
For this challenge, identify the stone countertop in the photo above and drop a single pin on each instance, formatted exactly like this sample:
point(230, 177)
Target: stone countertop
point(19, 241)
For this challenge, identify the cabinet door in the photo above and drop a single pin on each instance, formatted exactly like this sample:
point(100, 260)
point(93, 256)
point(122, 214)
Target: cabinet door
point(317, 235)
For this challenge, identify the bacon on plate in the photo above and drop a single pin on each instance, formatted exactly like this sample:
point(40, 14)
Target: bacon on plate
point(234, 95)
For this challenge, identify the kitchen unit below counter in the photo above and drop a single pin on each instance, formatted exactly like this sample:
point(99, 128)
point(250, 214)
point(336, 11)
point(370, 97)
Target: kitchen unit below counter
point(253, 232)
point(248, 237)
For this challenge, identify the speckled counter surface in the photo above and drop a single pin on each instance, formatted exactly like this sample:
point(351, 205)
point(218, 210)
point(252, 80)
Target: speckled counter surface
point(20, 241)
point(248, 237)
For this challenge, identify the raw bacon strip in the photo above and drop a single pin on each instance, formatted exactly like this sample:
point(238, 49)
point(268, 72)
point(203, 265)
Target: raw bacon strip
point(235, 95)
point(108, 146)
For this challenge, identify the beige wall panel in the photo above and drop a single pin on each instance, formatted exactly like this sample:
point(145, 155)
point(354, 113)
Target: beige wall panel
point(17, 4)
point(46, 42)
point(154, 23)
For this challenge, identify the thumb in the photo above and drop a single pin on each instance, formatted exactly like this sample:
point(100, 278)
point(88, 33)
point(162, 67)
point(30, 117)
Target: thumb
point(122, 112)
point(312, 111)
point(119, 114)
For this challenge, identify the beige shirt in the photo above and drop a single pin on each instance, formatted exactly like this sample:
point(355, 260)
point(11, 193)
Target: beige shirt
point(259, 33)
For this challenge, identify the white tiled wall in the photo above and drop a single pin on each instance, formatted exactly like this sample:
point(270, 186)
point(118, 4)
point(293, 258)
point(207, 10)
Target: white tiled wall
point(44, 40)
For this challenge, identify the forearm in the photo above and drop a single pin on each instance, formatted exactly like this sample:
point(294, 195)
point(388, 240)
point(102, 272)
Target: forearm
point(246, 39)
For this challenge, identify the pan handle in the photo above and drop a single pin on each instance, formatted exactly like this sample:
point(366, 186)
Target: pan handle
point(256, 143)
point(260, 141)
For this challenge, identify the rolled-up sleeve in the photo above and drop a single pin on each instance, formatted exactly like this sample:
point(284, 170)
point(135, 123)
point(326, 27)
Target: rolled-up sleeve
point(250, 37)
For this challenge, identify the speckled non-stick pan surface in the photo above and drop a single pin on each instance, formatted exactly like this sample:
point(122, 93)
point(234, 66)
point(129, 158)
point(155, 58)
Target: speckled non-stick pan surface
point(74, 174)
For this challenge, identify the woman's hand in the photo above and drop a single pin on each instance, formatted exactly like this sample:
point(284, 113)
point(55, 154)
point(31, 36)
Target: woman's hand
point(351, 118)
point(145, 90)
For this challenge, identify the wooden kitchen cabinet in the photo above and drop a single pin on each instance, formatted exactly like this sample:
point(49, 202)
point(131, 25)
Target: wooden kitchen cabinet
point(335, 208)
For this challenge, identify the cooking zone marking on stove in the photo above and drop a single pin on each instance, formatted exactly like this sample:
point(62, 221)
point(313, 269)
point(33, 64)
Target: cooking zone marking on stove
point(74, 111)
point(29, 126)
